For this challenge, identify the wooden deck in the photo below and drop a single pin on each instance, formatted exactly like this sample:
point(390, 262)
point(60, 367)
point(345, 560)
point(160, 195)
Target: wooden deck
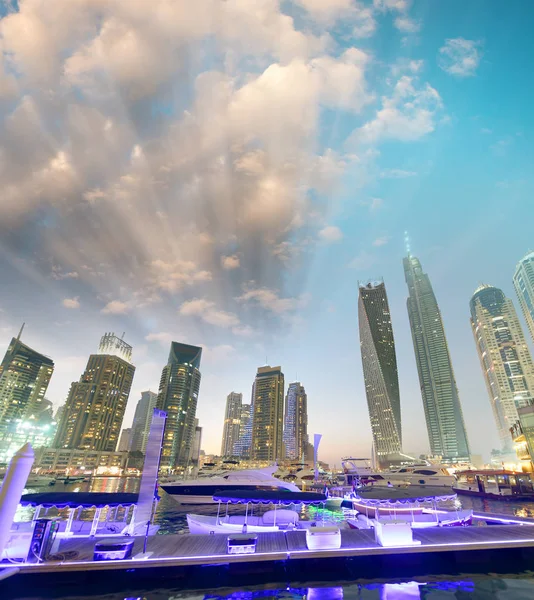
point(189, 550)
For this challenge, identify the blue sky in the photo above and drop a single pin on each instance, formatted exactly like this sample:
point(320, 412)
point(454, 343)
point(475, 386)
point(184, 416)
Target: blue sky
point(224, 175)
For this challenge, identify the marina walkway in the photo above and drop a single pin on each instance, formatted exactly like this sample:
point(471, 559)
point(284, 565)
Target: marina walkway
point(188, 550)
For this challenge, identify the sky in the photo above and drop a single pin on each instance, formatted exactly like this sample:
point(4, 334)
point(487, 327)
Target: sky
point(224, 173)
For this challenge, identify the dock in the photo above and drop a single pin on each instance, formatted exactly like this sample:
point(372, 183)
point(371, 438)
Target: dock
point(284, 556)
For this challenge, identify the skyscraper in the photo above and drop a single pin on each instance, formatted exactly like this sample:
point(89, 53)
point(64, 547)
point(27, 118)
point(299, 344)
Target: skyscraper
point(124, 440)
point(232, 423)
point(379, 362)
point(94, 411)
point(268, 414)
point(24, 378)
point(296, 421)
point(441, 402)
point(504, 357)
point(524, 287)
point(178, 396)
point(244, 441)
point(196, 445)
point(142, 421)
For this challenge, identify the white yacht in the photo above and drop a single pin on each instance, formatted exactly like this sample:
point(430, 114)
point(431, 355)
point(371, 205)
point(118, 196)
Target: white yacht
point(360, 472)
point(202, 490)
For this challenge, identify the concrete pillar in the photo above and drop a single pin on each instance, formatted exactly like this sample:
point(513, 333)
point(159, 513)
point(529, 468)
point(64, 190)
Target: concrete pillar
point(12, 488)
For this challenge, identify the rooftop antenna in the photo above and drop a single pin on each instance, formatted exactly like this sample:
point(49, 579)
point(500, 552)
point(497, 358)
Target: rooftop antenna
point(407, 243)
point(123, 334)
point(20, 332)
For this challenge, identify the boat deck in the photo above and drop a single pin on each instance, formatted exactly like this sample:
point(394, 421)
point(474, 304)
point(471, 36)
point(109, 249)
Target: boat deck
point(188, 550)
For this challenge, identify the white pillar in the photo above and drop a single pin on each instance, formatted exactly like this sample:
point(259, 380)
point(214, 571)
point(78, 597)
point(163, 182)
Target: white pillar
point(12, 488)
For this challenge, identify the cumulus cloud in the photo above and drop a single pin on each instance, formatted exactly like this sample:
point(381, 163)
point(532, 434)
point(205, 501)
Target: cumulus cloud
point(116, 307)
point(207, 311)
point(362, 261)
point(71, 302)
point(396, 174)
point(230, 262)
point(407, 115)
point(270, 300)
point(162, 337)
point(460, 57)
point(381, 241)
point(331, 233)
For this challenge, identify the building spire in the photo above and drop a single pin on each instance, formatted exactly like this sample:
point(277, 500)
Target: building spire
point(20, 332)
point(407, 243)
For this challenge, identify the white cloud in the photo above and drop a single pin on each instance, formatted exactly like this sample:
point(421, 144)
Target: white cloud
point(407, 25)
point(331, 233)
point(116, 307)
point(381, 241)
point(59, 274)
point(270, 300)
point(206, 310)
point(396, 174)
point(486, 131)
point(407, 115)
point(500, 148)
point(71, 302)
point(230, 262)
point(162, 337)
point(460, 57)
point(375, 204)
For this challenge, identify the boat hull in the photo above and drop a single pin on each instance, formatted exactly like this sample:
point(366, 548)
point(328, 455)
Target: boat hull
point(201, 524)
point(203, 494)
point(491, 496)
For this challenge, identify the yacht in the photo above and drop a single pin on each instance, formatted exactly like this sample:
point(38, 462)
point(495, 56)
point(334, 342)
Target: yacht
point(358, 471)
point(202, 490)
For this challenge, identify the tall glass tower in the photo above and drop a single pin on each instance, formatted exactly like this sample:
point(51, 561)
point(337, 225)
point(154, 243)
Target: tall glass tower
point(524, 287)
point(441, 402)
point(380, 372)
point(268, 414)
point(96, 404)
point(504, 357)
point(24, 378)
point(142, 420)
point(296, 421)
point(178, 396)
point(232, 423)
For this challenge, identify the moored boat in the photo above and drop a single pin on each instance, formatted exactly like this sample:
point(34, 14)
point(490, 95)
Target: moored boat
point(277, 519)
point(495, 484)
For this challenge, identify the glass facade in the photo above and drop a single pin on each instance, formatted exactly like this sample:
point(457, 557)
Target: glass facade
point(504, 357)
point(24, 378)
point(268, 414)
point(296, 421)
point(142, 421)
point(178, 397)
point(379, 363)
point(524, 287)
point(441, 401)
point(232, 423)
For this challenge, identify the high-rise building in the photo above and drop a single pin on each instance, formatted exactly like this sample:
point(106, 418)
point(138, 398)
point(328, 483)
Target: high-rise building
point(142, 421)
point(380, 375)
point(242, 445)
point(268, 414)
point(178, 396)
point(524, 287)
point(94, 411)
point(124, 440)
point(195, 447)
point(441, 402)
point(504, 357)
point(24, 378)
point(232, 423)
point(296, 421)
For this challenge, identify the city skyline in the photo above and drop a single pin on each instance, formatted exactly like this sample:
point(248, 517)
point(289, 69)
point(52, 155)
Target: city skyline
point(233, 202)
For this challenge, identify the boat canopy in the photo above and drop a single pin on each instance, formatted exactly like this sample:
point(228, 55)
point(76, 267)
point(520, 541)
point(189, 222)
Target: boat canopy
point(76, 499)
point(269, 497)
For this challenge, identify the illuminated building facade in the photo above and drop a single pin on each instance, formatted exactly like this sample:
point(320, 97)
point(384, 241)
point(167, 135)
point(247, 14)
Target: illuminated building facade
point(441, 401)
point(178, 397)
point(79, 462)
point(242, 446)
point(142, 420)
point(94, 411)
point(22, 431)
point(268, 414)
point(379, 362)
point(24, 378)
point(504, 357)
point(296, 421)
point(232, 423)
point(524, 287)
